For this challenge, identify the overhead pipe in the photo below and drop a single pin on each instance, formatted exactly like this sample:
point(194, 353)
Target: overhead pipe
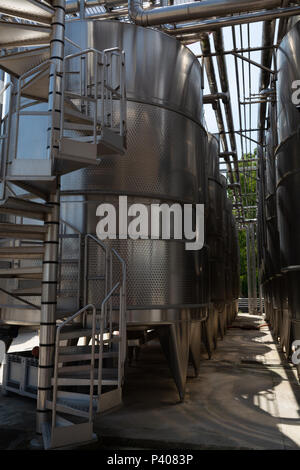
point(219, 47)
point(212, 81)
point(74, 7)
point(211, 99)
point(184, 31)
point(194, 10)
point(266, 60)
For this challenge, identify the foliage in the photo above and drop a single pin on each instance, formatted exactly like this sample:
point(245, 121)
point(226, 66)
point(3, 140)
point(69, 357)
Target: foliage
point(248, 180)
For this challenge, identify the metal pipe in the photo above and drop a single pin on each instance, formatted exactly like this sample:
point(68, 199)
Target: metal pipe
point(74, 7)
point(266, 60)
point(50, 261)
point(239, 51)
point(219, 46)
point(109, 14)
point(194, 10)
point(215, 24)
point(212, 81)
point(211, 99)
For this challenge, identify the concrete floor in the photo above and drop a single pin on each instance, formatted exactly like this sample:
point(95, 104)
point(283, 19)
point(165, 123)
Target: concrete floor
point(246, 397)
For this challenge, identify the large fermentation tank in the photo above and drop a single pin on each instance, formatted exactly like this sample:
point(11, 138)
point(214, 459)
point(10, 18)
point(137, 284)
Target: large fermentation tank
point(288, 172)
point(165, 158)
point(215, 241)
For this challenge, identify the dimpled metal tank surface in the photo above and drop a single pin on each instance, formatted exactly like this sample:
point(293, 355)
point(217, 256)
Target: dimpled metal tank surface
point(166, 146)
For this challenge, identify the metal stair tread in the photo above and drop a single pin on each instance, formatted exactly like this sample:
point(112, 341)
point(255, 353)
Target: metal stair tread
point(20, 204)
point(20, 307)
point(82, 381)
point(85, 373)
point(63, 406)
point(75, 332)
point(83, 357)
point(20, 62)
point(22, 231)
point(108, 144)
point(25, 273)
point(29, 291)
point(33, 10)
point(20, 34)
point(21, 252)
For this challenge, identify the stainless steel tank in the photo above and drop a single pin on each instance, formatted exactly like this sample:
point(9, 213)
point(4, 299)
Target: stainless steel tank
point(215, 241)
point(166, 145)
point(288, 174)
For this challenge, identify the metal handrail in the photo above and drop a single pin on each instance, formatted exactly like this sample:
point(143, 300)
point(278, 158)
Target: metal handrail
point(105, 250)
point(101, 341)
point(100, 84)
point(77, 233)
point(55, 375)
point(43, 68)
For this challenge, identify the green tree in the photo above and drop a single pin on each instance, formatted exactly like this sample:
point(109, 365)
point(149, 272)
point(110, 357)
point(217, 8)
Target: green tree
point(248, 181)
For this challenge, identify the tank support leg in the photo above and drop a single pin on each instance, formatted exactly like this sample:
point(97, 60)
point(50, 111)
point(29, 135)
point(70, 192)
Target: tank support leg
point(176, 349)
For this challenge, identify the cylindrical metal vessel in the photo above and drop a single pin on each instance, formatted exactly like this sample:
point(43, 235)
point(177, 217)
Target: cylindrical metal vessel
point(215, 239)
point(164, 146)
point(288, 171)
point(165, 157)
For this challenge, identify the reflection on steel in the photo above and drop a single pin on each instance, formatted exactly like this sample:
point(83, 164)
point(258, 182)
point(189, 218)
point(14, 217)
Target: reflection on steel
point(278, 213)
point(158, 166)
point(194, 10)
point(192, 31)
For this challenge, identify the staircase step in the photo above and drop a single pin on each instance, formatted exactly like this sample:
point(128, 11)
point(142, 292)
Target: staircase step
point(75, 332)
point(25, 208)
point(20, 34)
point(20, 307)
point(22, 273)
point(22, 231)
point(73, 115)
point(71, 381)
point(37, 88)
point(28, 292)
point(83, 371)
point(21, 62)
point(108, 144)
point(22, 252)
point(80, 152)
point(71, 407)
point(84, 356)
point(34, 10)
point(79, 332)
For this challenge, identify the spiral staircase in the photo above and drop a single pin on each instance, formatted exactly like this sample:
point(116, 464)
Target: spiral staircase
point(82, 353)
